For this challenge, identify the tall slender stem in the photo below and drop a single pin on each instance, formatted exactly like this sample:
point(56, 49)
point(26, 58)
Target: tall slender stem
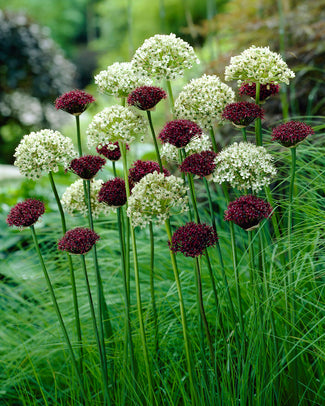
point(59, 316)
point(243, 130)
point(258, 121)
point(154, 140)
point(213, 140)
point(170, 95)
point(78, 135)
point(152, 286)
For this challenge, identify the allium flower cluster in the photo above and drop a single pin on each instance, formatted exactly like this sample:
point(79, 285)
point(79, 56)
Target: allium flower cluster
point(78, 241)
point(164, 57)
point(120, 79)
point(248, 211)
point(87, 167)
point(179, 132)
point(258, 65)
point(113, 124)
point(244, 166)
point(241, 114)
point(113, 193)
point(140, 169)
point(154, 198)
point(193, 239)
point(292, 133)
point(74, 102)
point(196, 145)
point(26, 213)
point(146, 97)
point(249, 89)
point(73, 199)
point(42, 152)
point(203, 101)
point(202, 164)
point(111, 154)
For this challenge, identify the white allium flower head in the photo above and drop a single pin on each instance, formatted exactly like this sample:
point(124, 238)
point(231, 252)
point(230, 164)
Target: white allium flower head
point(195, 146)
point(116, 123)
point(73, 199)
point(203, 101)
point(164, 57)
point(258, 65)
point(245, 166)
point(39, 153)
point(155, 197)
point(120, 79)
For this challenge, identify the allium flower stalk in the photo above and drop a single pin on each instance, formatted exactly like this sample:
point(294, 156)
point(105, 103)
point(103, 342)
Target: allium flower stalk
point(155, 197)
point(78, 241)
point(179, 132)
point(73, 199)
point(42, 152)
point(245, 166)
point(201, 164)
point(87, 167)
point(120, 79)
point(193, 239)
point(113, 124)
point(266, 91)
point(292, 133)
point(242, 114)
point(203, 101)
point(139, 169)
point(258, 65)
point(164, 57)
point(113, 193)
point(146, 97)
point(248, 211)
point(111, 154)
point(74, 102)
point(25, 214)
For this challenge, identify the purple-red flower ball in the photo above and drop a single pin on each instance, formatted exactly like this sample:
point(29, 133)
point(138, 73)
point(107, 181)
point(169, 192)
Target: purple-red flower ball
point(139, 169)
point(74, 102)
point(291, 133)
point(193, 239)
point(80, 240)
point(241, 114)
point(26, 213)
point(146, 97)
point(87, 167)
point(248, 211)
point(112, 155)
point(113, 193)
point(266, 91)
point(179, 132)
point(201, 164)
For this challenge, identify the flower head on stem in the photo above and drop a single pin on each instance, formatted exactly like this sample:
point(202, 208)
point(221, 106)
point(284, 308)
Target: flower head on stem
point(266, 91)
point(201, 164)
point(113, 193)
point(179, 132)
point(146, 97)
point(74, 102)
point(139, 169)
point(26, 213)
point(87, 167)
point(111, 151)
point(78, 241)
point(292, 133)
point(242, 114)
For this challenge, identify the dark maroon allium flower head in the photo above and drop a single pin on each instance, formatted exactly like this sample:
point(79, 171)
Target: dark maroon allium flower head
point(80, 240)
point(146, 97)
point(248, 211)
point(139, 169)
point(74, 102)
point(26, 213)
point(291, 133)
point(249, 89)
point(113, 193)
point(201, 164)
point(241, 114)
point(87, 166)
point(192, 239)
point(111, 154)
point(179, 132)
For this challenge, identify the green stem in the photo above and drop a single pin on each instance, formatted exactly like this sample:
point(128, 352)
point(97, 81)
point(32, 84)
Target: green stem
point(78, 135)
point(243, 130)
point(152, 286)
point(155, 141)
point(193, 197)
point(213, 140)
point(274, 218)
point(58, 313)
point(170, 95)
point(258, 121)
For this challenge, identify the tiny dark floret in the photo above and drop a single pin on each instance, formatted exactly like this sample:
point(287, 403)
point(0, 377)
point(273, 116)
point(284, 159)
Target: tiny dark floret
point(146, 97)
point(26, 213)
point(248, 211)
point(113, 193)
point(74, 102)
point(241, 114)
point(266, 91)
point(87, 167)
point(80, 240)
point(111, 154)
point(179, 132)
point(201, 164)
point(140, 169)
point(193, 239)
point(291, 133)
